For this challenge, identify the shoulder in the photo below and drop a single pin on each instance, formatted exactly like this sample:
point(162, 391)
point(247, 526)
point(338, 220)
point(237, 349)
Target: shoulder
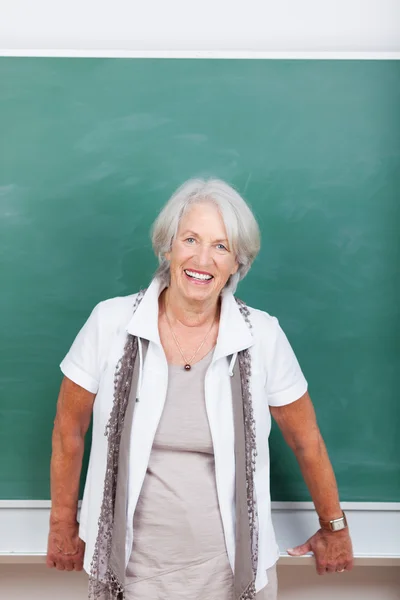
point(113, 313)
point(269, 338)
point(263, 324)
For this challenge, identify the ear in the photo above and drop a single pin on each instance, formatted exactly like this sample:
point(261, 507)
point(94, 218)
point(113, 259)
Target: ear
point(235, 268)
point(167, 255)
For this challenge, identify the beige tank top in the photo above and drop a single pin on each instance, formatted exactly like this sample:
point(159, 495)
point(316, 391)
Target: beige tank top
point(178, 533)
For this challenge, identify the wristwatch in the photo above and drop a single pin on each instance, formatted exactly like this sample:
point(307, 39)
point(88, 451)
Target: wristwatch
point(335, 524)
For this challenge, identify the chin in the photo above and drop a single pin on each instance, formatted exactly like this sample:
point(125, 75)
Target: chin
point(195, 292)
point(200, 294)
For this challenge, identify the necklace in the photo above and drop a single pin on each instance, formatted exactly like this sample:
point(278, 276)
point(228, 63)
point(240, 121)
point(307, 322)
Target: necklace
point(187, 366)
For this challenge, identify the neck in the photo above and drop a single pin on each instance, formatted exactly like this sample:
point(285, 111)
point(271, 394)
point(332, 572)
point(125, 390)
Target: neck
point(187, 313)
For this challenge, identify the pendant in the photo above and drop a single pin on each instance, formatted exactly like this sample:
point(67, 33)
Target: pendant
point(187, 367)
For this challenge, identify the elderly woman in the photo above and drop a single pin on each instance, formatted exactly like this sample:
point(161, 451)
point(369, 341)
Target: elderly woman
point(182, 379)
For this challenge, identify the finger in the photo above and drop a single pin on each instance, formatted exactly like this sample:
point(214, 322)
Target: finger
point(69, 565)
point(300, 550)
point(349, 565)
point(330, 568)
point(78, 565)
point(321, 568)
point(60, 566)
point(52, 559)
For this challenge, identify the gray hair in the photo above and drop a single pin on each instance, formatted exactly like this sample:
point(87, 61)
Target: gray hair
point(241, 226)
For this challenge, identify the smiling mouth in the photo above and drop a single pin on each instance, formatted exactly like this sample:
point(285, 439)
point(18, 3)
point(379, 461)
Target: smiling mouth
point(198, 276)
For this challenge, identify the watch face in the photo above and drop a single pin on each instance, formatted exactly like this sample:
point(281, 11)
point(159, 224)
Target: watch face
point(338, 525)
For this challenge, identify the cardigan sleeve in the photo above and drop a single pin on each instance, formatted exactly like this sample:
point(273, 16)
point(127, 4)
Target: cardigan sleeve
point(285, 382)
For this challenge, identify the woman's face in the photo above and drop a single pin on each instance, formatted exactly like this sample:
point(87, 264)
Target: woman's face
point(201, 260)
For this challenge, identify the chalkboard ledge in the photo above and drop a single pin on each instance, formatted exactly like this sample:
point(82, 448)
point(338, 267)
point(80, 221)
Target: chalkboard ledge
point(24, 527)
point(301, 561)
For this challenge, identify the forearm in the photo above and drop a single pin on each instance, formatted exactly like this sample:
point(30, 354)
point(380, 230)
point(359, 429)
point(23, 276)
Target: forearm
point(320, 479)
point(65, 470)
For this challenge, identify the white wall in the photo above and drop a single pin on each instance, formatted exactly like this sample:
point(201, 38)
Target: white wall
point(258, 25)
point(209, 25)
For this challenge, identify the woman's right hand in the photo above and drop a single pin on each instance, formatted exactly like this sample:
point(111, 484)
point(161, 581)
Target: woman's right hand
point(65, 549)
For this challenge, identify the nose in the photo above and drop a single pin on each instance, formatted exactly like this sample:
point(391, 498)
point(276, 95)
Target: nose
point(204, 255)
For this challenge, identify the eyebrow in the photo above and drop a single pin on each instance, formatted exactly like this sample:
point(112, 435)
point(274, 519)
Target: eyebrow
point(189, 231)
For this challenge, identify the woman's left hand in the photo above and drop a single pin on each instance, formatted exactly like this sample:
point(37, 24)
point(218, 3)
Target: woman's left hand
point(332, 550)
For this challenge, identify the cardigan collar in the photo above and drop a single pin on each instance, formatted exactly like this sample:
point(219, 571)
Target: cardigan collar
point(234, 334)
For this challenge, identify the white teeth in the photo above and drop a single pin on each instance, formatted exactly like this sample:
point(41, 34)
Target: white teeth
point(198, 275)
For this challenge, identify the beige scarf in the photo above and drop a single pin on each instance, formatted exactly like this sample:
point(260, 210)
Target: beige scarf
point(107, 570)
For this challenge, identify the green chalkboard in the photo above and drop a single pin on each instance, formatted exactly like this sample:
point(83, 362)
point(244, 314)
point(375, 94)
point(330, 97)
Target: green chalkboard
point(90, 151)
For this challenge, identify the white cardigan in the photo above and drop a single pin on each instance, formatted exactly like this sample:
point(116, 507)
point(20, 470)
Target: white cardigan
point(276, 380)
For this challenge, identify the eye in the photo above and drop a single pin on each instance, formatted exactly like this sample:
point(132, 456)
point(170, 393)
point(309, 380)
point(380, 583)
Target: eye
point(221, 247)
point(190, 240)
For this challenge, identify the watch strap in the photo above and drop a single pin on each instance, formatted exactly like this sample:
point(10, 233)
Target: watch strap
point(334, 524)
